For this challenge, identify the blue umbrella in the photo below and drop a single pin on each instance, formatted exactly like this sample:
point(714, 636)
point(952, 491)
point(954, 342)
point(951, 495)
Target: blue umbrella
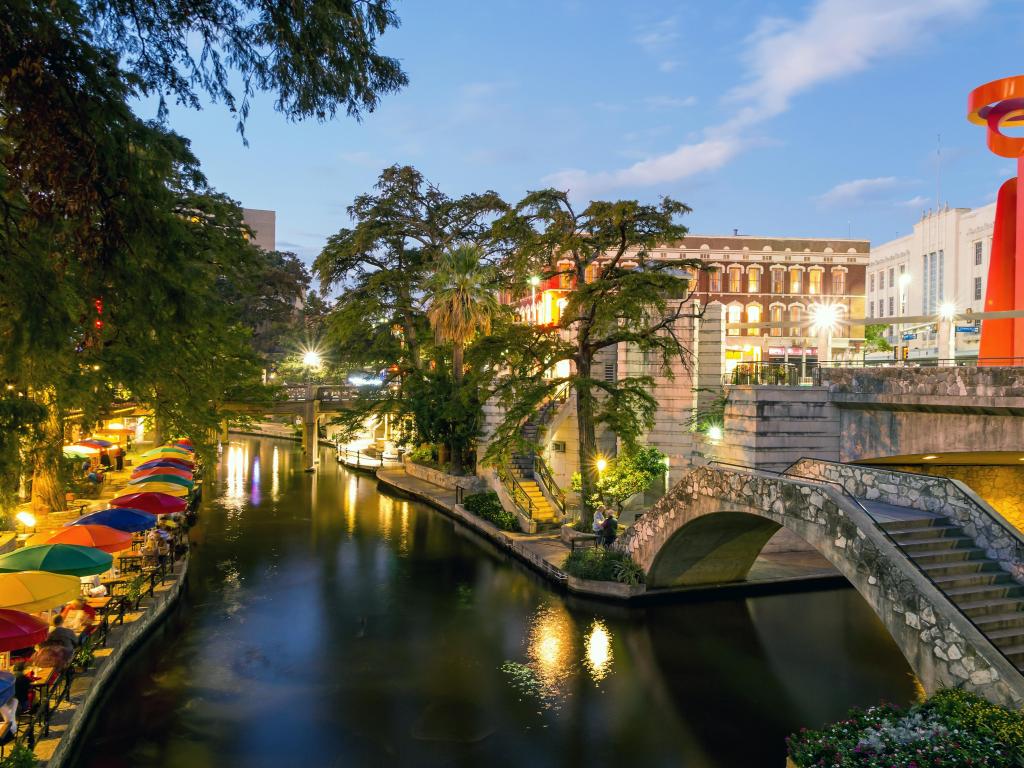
point(6, 686)
point(122, 518)
point(170, 463)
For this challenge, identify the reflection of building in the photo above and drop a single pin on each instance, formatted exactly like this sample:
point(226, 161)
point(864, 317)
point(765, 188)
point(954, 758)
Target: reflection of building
point(944, 259)
point(779, 280)
point(263, 225)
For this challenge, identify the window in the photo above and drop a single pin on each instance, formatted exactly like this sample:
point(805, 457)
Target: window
point(903, 268)
point(715, 280)
point(881, 308)
point(754, 280)
point(795, 275)
point(977, 289)
point(977, 253)
point(934, 267)
point(795, 314)
point(609, 371)
point(871, 309)
point(892, 309)
point(753, 316)
point(814, 281)
point(778, 281)
point(871, 288)
point(735, 316)
point(735, 279)
point(776, 316)
point(892, 276)
point(881, 280)
point(838, 282)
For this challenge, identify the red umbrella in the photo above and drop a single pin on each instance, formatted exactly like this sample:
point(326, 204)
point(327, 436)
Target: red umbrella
point(100, 537)
point(20, 630)
point(154, 502)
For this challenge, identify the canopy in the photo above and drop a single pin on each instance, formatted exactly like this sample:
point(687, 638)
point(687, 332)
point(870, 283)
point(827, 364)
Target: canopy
point(81, 451)
point(101, 537)
point(34, 591)
point(70, 559)
point(184, 482)
point(172, 463)
point(7, 685)
point(96, 441)
point(20, 630)
point(154, 503)
point(119, 518)
point(165, 449)
point(172, 489)
point(151, 471)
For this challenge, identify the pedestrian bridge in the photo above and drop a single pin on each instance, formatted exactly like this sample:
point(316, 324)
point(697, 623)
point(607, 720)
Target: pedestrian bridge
point(940, 567)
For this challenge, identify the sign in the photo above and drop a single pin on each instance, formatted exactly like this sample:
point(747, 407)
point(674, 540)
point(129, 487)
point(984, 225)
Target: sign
point(966, 329)
point(909, 336)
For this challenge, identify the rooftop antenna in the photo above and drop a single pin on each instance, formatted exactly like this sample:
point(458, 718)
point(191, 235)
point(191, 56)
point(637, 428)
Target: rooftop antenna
point(938, 170)
point(735, 232)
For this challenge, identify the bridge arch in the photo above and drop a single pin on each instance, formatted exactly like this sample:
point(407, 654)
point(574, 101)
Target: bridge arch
point(713, 523)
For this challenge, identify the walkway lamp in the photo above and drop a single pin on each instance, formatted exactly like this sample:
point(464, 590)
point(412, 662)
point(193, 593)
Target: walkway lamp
point(824, 321)
point(946, 332)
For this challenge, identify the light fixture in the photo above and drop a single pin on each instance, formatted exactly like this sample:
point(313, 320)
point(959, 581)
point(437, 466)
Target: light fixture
point(311, 358)
point(534, 280)
point(27, 519)
point(929, 457)
point(601, 464)
point(824, 317)
point(904, 281)
point(715, 432)
point(947, 310)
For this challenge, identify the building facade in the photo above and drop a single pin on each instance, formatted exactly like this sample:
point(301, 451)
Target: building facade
point(263, 225)
point(943, 261)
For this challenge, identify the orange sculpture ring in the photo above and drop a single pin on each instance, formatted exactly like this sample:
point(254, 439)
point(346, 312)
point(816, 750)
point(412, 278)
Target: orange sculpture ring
point(995, 105)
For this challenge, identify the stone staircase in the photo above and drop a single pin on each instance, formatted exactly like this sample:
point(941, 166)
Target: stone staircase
point(972, 581)
point(543, 512)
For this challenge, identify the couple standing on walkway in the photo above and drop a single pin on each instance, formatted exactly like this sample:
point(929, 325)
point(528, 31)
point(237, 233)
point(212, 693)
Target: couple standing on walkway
point(606, 526)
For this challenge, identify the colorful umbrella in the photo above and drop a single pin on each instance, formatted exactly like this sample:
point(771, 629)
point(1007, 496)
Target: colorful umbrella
point(7, 684)
point(150, 471)
point(184, 482)
point(71, 559)
point(34, 591)
point(154, 503)
point(156, 486)
point(166, 449)
point(81, 451)
point(120, 518)
point(101, 537)
point(20, 630)
point(172, 463)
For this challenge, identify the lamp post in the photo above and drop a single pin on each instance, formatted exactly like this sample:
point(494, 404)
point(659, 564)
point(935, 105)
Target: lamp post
point(311, 359)
point(946, 332)
point(904, 284)
point(824, 319)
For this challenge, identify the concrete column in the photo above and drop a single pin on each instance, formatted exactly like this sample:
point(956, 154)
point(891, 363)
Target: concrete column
point(710, 354)
point(824, 346)
point(946, 338)
point(310, 434)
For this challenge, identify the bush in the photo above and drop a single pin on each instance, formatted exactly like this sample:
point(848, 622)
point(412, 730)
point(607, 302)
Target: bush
point(423, 454)
point(604, 565)
point(488, 506)
point(953, 727)
point(19, 757)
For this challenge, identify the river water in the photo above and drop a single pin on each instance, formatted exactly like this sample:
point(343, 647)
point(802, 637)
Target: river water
point(329, 624)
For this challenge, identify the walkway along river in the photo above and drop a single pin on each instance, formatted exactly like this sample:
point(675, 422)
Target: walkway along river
point(329, 624)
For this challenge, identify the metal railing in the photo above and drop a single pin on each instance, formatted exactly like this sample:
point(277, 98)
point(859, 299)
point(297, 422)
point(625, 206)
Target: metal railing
point(542, 474)
point(358, 459)
point(813, 373)
point(878, 527)
point(770, 374)
point(519, 495)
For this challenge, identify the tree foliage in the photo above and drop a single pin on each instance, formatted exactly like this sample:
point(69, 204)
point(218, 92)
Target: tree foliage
point(626, 475)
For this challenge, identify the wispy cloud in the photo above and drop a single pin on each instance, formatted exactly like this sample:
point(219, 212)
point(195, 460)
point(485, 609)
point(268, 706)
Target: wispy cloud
point(859, 191)
point(669, 102)
point(787, 57)
point(917, 201)
point(659, 41)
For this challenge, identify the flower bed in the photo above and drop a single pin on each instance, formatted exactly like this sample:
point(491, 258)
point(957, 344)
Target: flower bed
point(952, 728)
point(600, 564)
point(487, 506)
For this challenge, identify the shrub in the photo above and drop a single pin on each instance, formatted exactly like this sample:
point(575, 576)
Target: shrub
point(422, 454)
point(488, 506)
point(953, 727)
point(604, 565)
point(19, 757)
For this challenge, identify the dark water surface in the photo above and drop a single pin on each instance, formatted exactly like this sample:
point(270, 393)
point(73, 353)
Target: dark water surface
point(329, 624)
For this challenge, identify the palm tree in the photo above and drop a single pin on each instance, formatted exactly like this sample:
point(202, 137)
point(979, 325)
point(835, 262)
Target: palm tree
point(462, 303)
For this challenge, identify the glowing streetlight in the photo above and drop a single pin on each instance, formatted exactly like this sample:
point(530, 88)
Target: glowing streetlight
point(601, 464)
point(715, 433)
point(824, 317)
point(947, 333)
point(534, 282)
point(311, 358)
point(947, 311)
point(903, 283)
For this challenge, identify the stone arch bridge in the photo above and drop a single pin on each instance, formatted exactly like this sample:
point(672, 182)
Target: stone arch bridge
point(939, 566)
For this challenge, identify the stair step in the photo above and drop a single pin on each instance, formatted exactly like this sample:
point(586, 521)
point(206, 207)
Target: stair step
point(980, 579)
point(899, 526)
point(994, 622)
point(976, 593)
point(941, 544)
point(915, 534)
point(960, 568)
point(1009, 635)
point(949, 555)
point(992, 607)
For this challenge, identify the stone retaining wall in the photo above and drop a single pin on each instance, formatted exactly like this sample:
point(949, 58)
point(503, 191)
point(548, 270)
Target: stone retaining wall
point(928, 382)
point(437, 477)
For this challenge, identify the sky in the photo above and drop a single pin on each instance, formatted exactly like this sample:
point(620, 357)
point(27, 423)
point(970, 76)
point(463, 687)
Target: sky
point(795, 118)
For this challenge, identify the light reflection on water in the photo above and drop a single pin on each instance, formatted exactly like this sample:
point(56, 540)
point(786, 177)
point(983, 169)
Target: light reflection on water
point(337, 626)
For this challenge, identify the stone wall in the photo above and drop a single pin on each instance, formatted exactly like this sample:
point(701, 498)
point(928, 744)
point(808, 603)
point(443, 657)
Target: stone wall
point(979, 384)
point(437, 477)
point(714, 522)
point(1002, 487)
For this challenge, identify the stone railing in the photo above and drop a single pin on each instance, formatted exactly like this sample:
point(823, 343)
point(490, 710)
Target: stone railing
point(470, 483)
point(927, 382)
point(941, 495)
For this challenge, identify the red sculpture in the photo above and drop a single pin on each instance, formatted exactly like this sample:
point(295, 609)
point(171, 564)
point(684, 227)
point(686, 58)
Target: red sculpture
point(995, 105)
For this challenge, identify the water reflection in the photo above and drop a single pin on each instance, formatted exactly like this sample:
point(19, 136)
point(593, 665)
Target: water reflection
point(339, 626)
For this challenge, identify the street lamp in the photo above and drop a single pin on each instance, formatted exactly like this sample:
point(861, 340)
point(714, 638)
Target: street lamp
point(904, 283)
point(601, 465)
point(311, 358)
point(824, 320)
point(946, 333)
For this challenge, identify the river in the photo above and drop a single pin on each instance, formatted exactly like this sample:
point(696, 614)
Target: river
point(329, 624)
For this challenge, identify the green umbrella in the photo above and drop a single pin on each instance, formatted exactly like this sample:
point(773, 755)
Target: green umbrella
point(69, 559)
point(166, 449)
point(184, 482)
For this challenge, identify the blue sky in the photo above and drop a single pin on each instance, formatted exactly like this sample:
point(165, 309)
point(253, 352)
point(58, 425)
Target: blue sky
point(790, 118)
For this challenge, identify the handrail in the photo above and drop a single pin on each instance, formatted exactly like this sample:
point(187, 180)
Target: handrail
point(888, 537)
point(515, 490)
point(542, 472)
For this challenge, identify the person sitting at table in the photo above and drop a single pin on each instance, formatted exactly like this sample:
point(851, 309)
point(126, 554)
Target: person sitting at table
point(9, 715)
point(78, 615)
point(50, 653)
point(92, 587)
point(61, 634)
point(22, 687)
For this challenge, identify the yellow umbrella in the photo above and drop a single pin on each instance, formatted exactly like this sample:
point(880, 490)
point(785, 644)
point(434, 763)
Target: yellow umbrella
point(34, 591)
point(169, 488)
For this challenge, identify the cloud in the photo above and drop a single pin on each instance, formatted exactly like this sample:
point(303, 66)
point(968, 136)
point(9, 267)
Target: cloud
point(859, 191)
point(669, 102)
point(917, 201)
point(787, 58)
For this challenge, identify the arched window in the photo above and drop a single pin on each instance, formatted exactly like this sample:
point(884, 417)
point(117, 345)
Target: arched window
point(753, 316)
point(735, 279)
point(778, 279)
point(735, 316)
point(754, 280)
point(796, 275)
point(796, 315)
point(715, 280)
point(775, 314)
point(814, 276)
point(839, 281)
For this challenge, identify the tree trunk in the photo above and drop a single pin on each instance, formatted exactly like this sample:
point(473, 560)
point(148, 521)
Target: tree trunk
point(587, 438)
point(456, 440)
point(47, 483)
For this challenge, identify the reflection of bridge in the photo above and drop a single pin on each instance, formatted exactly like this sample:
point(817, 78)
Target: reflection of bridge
point(310, 402)
point(939, 566)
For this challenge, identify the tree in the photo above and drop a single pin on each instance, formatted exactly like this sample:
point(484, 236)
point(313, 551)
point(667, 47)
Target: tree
point(384, 264)
point(462, 304)
point(626, 475)
point(874, 338)
point(617, 294)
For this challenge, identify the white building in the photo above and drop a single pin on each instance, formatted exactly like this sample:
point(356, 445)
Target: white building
point(943, 260)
